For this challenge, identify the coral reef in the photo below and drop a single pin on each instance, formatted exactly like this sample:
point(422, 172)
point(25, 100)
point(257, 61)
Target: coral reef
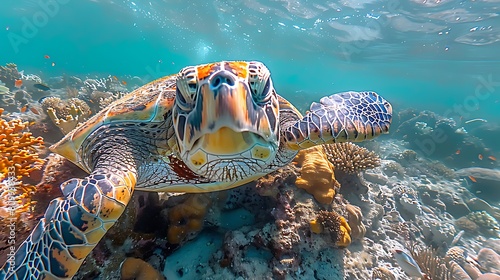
point(316, 174)
point(20, 157)
point(438, 137)
point(137, 269)
point(186, 219)
point(66, 114)
point(351, 158)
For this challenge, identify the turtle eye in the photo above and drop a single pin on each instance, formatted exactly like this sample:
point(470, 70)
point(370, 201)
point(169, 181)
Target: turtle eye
point(260, 82)
point(187, 86)
point(263, 92)
point(181, 100)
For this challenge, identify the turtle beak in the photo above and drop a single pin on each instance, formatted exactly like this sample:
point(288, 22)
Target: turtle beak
point(228, 101)
point(229, 120)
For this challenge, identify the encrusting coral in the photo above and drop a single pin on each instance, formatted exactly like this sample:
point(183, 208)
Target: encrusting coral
point(316, 174)
point(187, 218)
point(333, 224)
point(137, 269)
point(318, 165)
point(351, 158)
point(66, 114)
point(354, 219)
point(19, 150)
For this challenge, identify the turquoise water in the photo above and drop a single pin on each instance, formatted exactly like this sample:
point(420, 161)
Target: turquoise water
point(425, 54)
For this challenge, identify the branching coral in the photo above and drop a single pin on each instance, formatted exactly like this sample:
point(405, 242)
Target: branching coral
point(351, 158)
point(316, 175)
point(430, 263)
point(187, 218)
point(66, 114)
point(333, 224)
point(19, 151)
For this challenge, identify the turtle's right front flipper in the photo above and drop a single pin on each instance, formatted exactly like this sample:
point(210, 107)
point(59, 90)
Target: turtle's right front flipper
point(342, 117)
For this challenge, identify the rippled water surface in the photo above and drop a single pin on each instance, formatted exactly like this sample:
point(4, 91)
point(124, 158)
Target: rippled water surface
point(433, 54)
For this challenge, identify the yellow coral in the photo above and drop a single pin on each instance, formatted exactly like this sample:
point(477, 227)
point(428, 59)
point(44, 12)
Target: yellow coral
point(19, 157)
point(133, 268)
point(187, 218)
point(350, 157)
point(316, 227)
point(344, 233)
point(333, 224)
point(316, 174)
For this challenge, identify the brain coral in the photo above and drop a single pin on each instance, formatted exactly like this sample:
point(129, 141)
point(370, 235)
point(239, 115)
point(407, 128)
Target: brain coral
point(316, 175)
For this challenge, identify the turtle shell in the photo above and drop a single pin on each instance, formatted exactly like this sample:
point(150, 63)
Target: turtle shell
point(148, 103)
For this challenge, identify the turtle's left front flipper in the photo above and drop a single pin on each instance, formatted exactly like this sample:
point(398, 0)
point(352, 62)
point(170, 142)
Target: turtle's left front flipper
point(72, 226)
point(342, 117)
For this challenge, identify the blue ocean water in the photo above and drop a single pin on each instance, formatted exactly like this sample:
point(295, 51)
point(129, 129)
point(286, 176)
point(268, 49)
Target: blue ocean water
point(428, 54)
point(438, 55)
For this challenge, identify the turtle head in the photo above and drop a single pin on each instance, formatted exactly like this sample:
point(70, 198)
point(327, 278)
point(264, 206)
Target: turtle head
point(226, 119)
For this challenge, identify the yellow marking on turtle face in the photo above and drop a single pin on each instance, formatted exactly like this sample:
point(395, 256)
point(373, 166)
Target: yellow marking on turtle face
point(225, 141)
point(199, 158)
point(294, 146)
point(261, 152)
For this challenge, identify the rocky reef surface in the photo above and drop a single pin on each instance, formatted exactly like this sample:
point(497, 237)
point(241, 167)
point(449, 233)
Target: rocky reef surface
point(429, 189)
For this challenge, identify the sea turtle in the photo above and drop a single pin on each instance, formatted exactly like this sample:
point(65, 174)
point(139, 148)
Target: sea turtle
point(210, 127)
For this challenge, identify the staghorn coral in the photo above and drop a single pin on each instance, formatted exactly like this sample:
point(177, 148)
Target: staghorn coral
point(19, 159)
point(187, 218)
point(333, 224)
point(430, 263)
point(316, 174)
point(351, 158)
point(134, 268)
point(66, 114)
